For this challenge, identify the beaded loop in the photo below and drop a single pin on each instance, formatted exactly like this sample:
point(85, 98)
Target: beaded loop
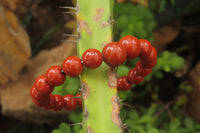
point(113, 54)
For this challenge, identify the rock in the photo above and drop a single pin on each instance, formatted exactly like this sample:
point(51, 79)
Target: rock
point(14, 46)
point(15, 97)
point(194, 99)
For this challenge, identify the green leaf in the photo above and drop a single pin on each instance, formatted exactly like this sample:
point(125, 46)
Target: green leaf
point(153, 130)
point(145, 119)
point(75, 117)
point(123, 70)
point(57, 131)
point(188, 123)
point(64, 128)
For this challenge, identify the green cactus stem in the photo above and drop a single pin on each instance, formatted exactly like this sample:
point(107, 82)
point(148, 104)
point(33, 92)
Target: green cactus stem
point(101, 103)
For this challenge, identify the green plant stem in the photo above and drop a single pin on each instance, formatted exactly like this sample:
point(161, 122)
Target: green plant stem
point(101, 104)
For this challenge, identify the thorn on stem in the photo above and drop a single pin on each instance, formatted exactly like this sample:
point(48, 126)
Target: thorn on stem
point(68, 7)
point(74, 124)
point(70, 35)
point(70, 41)
point(69, 12)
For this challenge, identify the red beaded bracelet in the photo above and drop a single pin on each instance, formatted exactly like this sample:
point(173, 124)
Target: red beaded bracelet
point(113, 54)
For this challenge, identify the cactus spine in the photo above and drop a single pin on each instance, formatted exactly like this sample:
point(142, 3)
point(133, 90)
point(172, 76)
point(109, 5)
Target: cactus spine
point(101, 104)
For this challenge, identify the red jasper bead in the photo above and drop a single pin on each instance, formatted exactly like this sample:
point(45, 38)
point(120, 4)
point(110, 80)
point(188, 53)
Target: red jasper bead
point(79, 100)
point(132, 46)
point(41, 103)
point(133, 77)
point(148, 64)
point(152, 56)
point(54, 76)
point(123, 84)
point(142, 71)
point(72, 66)
point(60, 103)
point(42, 86)
point(70, 102)
point(37, 96)
point(114, 54)
point(92, 58)
point(145, 48)
point(51, 104)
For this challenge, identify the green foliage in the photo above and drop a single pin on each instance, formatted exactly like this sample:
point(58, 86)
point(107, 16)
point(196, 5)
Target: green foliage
point(134, 20)
point(170, 62)
point(63, 128)
point(70, 86)
point(66, 128)
point(157, 119)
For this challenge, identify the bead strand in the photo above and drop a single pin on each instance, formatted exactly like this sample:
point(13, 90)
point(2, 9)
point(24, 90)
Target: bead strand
point(113, 54)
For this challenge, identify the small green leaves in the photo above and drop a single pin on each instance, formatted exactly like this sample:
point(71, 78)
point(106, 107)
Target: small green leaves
point(63, 128)
point(70, 86)
point(130, 22)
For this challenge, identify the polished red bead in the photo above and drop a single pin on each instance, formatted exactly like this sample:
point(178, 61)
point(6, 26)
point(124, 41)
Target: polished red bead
point(148, 64)
point(51, 104)
point(79, 100)
point(133, 77)
point(42, 86)
point(70, 101)
point(92, 58)
point(54, 76)
point(123, 84)
point(145, 48)
point(152, 56)
point(60, 103)
point(142, 71)
point(37, 96)
point(72, 66)
point(114, 54)
point(41, 103)
point(132, 46)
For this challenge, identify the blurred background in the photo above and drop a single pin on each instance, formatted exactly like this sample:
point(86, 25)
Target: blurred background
point(31, 40)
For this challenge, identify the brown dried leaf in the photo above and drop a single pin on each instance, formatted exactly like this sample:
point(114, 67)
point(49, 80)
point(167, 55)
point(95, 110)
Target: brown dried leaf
point(166, 34)
point(10, 4)
point(14, 46)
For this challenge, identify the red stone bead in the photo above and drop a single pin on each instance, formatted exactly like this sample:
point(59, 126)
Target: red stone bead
point(70, 101)
point(37, 96)
point(60, 103)
point(42, 86)
point(92, 58)
point(133, 77)
point(152, 56)
point(51, 104)
point(148, 64)
point(41, 103)
point(72, 66)
point(142, 71)
point(145, 48)
point(79, 100)
point(132, 46)
point(114, 54)
point(123, 84)
point(54, 76)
